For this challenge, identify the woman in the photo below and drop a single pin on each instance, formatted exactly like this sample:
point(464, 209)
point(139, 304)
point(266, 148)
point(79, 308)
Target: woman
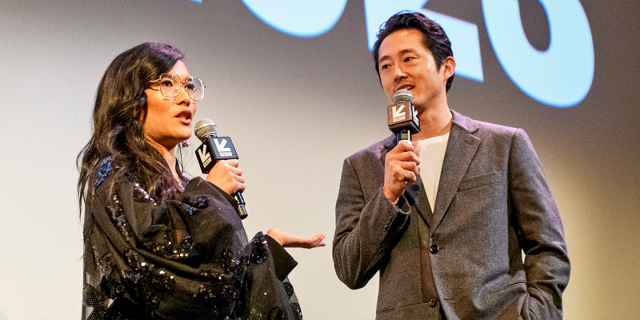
point(156, 244)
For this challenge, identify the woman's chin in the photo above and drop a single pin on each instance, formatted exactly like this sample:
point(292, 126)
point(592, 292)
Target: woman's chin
point(184, 135)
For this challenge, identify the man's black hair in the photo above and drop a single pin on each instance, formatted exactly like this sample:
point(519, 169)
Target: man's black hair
point(435, 39)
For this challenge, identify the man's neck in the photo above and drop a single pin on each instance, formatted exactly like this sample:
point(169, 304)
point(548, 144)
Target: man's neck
point(434, 122)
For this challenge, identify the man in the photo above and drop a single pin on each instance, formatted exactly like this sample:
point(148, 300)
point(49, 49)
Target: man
point(445, 221)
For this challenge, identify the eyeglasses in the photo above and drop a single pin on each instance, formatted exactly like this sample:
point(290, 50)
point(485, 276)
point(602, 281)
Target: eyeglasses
point(170, 85)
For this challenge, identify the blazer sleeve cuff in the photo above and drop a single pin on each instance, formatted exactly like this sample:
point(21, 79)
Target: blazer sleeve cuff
point(403, 206)
point(282, 260)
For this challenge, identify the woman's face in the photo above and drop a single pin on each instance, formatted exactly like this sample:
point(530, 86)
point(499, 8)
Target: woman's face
point(168, 120)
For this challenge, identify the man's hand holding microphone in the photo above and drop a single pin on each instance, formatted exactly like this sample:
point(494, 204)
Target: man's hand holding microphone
point(401, 163)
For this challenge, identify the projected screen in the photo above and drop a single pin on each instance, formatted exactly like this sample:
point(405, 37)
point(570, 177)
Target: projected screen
point(293, 84)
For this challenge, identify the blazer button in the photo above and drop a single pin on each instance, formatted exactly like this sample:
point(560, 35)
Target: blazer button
point(434, 249)
point(432, 302)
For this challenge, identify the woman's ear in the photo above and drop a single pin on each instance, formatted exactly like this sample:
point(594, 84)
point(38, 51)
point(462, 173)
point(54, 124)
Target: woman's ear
point(140, 111)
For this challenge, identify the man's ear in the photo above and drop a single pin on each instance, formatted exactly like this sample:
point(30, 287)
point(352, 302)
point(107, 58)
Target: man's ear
point(449, 67)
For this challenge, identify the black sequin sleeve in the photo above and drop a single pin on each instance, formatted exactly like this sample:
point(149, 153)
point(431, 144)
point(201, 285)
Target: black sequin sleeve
point(187, 258)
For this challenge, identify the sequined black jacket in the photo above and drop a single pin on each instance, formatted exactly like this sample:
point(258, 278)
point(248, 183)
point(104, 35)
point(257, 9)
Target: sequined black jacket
point(187, 258)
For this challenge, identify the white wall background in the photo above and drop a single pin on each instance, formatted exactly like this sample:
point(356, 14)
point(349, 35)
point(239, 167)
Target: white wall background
point(295, 108)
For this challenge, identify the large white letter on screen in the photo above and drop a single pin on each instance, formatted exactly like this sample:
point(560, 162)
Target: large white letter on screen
point(560, 76)
point(300, 18)
point(464, 38)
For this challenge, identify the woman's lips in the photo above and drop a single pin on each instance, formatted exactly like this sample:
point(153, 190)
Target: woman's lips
point(185, 117)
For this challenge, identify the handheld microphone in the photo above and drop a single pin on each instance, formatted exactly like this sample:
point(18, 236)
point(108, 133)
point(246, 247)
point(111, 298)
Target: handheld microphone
point(402, 117)
point(216, 148)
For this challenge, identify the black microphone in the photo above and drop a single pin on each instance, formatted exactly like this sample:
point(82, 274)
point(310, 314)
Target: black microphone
point(216, 148)
point(402, 117)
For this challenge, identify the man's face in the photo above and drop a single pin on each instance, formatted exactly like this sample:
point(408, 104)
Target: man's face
point(405, 63)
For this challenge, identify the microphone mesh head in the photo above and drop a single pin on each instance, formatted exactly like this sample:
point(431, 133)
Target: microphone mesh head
point(204, 129)
point(402, 95)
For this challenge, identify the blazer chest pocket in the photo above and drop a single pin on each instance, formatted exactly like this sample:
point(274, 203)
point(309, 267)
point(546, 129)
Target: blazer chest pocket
point(479, 181)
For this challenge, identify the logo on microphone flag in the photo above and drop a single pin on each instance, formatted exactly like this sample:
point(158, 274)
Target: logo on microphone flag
point(221, 147)
point(203, 155)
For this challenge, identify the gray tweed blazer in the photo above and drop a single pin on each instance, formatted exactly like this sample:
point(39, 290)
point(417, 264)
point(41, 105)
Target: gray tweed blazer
point(492, 204)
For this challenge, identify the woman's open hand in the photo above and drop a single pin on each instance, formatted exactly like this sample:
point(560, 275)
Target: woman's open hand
point(296, 241)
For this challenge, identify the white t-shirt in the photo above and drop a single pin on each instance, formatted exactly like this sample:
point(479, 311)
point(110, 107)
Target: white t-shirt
point(431, 158)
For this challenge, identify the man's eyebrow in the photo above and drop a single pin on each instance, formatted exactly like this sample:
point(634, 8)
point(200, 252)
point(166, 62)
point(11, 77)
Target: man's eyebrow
point(405, 51)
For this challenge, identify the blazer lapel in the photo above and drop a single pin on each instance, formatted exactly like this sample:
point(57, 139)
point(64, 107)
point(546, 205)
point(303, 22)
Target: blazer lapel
point(418, 198)
point(387, 145)
point(461, 148)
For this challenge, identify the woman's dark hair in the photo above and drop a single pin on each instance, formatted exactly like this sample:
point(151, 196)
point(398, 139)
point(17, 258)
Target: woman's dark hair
point(118, 124)
point(435, 39)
